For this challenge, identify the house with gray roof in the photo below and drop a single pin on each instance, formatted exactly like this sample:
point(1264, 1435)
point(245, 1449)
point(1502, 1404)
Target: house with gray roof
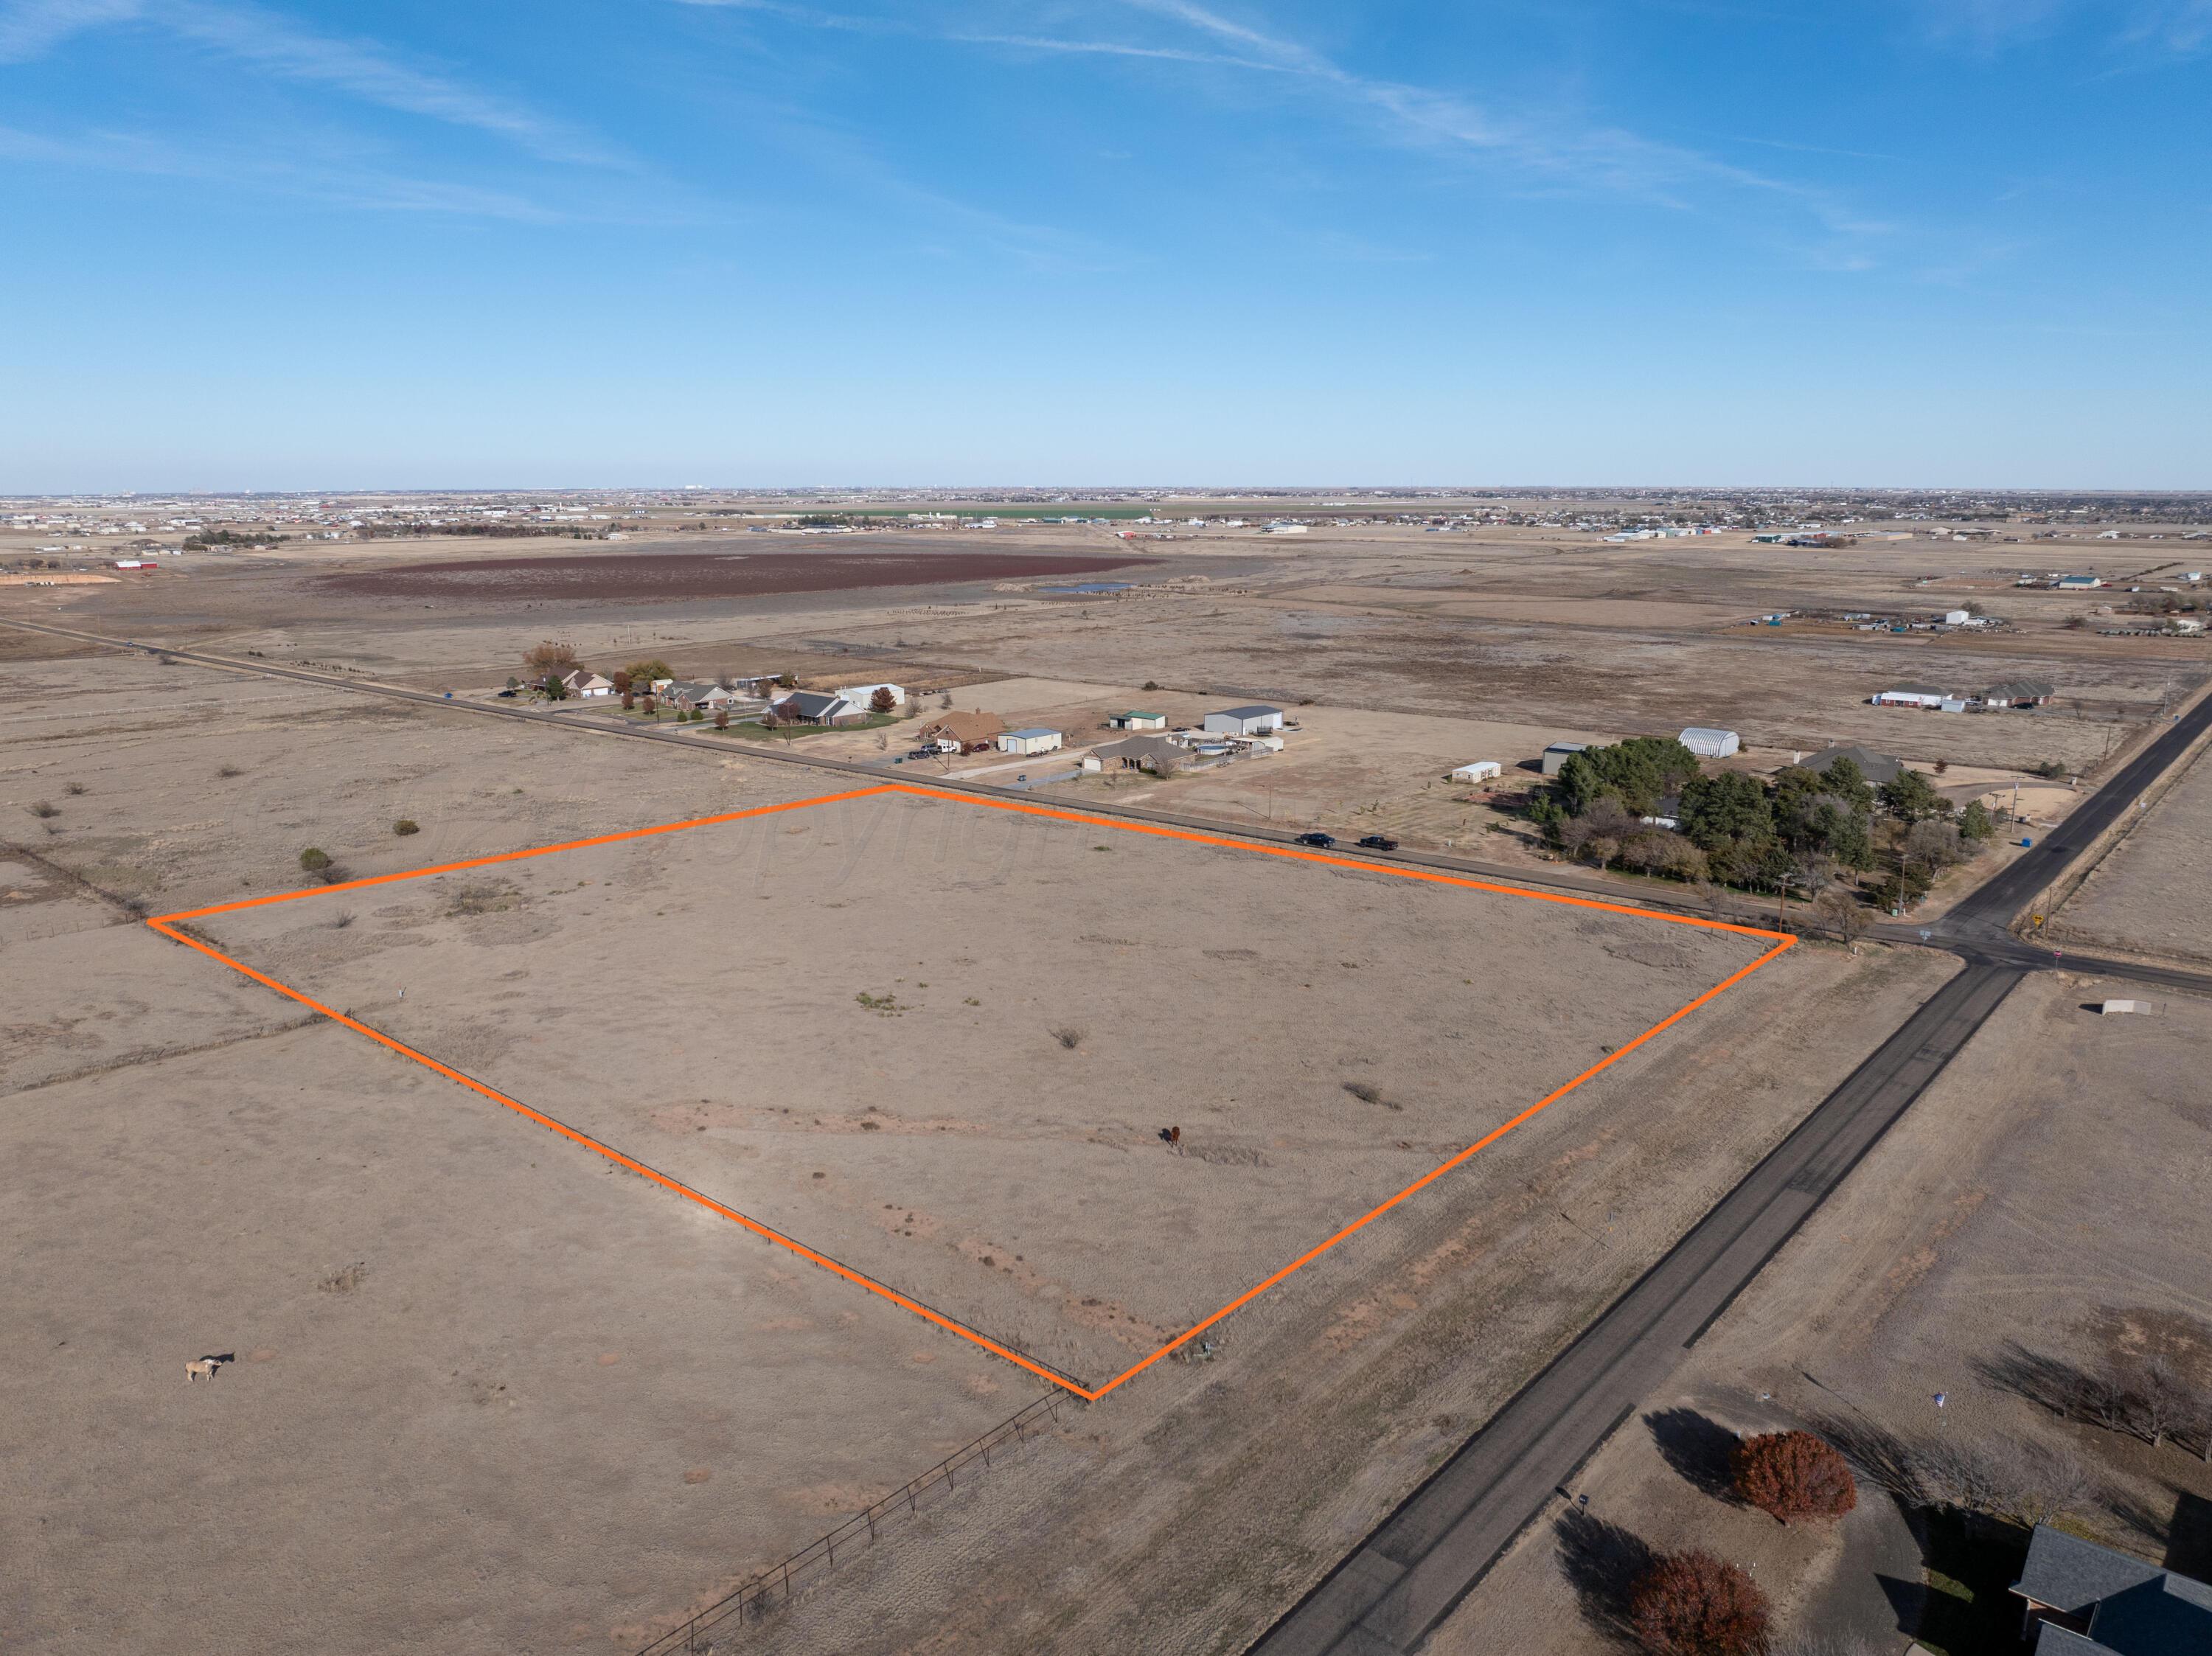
point(2082, 1600)
point(2018, 693)
point(813, 707)
point(1876, 767)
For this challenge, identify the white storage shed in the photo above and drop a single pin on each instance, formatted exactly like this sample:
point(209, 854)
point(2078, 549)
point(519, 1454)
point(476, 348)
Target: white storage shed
point(1707, 742)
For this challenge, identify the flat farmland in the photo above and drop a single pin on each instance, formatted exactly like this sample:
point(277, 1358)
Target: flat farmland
point(941, 1042)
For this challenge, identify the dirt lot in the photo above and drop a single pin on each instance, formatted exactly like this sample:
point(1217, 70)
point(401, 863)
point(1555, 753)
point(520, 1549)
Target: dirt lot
point(982, 1130)
point(2046, 1195)
point(2148, 896)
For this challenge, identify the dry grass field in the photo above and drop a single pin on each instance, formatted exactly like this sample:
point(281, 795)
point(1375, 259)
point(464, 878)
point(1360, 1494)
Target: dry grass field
point(940, 1042)
point(2148, 896)
point(493, 1393)
point(192, 1161)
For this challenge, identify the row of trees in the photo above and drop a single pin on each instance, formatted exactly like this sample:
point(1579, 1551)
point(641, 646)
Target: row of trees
point(1814, 830)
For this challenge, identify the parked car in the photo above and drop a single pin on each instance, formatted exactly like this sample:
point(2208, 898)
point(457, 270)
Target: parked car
point(1324, 840)
point(1378, 842)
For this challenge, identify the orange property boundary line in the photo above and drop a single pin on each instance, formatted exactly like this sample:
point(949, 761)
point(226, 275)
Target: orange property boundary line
point(167, 925)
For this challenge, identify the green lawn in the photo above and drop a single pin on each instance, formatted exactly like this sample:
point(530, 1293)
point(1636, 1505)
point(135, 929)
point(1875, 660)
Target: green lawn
point(753, 729)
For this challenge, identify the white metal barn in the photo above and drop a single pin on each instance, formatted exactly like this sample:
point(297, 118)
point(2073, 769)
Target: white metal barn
point(1244, 721)
point(1482, 771)
point(1708, 743)
point(862, 695)
point(1913, 695)
point(1035, 740)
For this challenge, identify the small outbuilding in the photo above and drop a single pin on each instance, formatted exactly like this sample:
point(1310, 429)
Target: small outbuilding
point(1559, 753)
point(1138, 721)
point(1708, 742)
point(864, 696)
point(1244, 721)
point(1482, 771)
point(1037, 739)
point(1913, 695)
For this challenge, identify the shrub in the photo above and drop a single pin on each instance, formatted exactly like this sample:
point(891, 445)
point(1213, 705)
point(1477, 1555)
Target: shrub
point(73, 789)
point(45, 808)
point(314, 859)
point(1367, 1093)
point(406, 826)
point(1692, 1603)
point(1069, 1038)
point(1793, 1475)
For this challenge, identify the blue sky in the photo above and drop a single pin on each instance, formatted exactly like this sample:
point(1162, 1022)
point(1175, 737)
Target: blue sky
point(1093, 241)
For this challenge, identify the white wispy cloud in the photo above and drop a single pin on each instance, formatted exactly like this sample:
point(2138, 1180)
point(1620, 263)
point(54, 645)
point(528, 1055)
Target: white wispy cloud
point(364, 70)
point(30, 28)
point(2181, 26)
point(1550, 153)
point(276, 46)
point(1587, 155)
point(331, 182)
point(914, 28)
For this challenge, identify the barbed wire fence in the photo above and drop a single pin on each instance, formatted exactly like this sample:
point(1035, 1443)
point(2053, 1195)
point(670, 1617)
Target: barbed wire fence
point(721, 1626)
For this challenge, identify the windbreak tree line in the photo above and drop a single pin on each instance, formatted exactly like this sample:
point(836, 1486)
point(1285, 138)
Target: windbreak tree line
point(1646, 803)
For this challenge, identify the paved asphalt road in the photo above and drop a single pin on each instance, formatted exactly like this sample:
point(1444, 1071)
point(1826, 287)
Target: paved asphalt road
point(1393, 1589)
point(1406, 1576)
point(1400, 1583)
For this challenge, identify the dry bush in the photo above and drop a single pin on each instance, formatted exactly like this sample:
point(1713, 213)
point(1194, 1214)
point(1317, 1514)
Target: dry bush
point(406, 826)
point(1692, 1603)
point(345, 1278)
point(1367, 1093)
point(342, 919)
point(1070, 1038)
point(483, 900)
point(1792, 1474)
point(45, 808)
point(226, 772)
point(73, 788)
